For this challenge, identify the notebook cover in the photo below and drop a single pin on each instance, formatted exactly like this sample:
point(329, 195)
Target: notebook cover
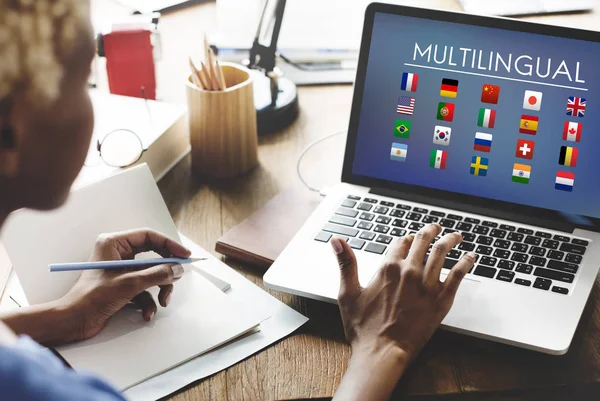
point(259, 239)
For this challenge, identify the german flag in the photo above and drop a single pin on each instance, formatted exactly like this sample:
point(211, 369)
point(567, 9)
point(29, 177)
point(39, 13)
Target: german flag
point(568, 156)
point(449, 88)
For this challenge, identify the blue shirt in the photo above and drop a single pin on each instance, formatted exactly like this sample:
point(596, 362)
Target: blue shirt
point(30, 372)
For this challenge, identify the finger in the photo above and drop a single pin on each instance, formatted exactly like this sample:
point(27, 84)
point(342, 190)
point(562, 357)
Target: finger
point(349, 284)
point(457, 273)
point(421, 243)
point(144, 240)
point(153, 276)
point(164, 295)
point(437, 257)
point(146, 303)
point(399, 248)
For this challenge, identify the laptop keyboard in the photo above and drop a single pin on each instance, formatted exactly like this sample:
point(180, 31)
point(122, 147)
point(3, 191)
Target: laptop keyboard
point(505, 252)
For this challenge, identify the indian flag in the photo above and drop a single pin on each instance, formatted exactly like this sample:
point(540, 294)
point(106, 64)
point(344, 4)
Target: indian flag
point(486, 118)
point(521, 173)
point(438, 158)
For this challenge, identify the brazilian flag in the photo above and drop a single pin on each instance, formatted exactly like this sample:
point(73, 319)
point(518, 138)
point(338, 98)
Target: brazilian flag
point(402, 129)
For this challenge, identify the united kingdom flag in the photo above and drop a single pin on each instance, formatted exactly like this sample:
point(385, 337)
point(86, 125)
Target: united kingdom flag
point(576, 106)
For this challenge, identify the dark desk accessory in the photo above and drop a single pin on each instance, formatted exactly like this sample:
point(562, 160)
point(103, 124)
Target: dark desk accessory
point(275, 97)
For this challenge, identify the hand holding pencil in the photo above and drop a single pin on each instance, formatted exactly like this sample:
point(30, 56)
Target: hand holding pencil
point(210, 77)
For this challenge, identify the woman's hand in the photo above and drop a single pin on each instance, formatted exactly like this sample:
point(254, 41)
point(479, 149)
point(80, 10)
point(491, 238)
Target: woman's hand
point(99, 294)
point(388, 322)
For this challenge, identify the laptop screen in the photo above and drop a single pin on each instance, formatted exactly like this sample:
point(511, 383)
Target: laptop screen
point(496, 114)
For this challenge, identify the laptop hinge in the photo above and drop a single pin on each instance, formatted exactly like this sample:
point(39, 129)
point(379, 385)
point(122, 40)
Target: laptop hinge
point(551, 224)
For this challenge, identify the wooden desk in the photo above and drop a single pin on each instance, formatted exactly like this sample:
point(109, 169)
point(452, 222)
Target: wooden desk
point(311, 363)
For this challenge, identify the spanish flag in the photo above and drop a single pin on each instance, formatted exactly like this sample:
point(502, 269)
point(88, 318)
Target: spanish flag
point(449, 88)
point(568, 156)
point(529, 125)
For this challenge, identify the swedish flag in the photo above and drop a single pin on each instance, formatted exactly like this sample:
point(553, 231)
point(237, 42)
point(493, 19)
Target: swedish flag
point(479, 165)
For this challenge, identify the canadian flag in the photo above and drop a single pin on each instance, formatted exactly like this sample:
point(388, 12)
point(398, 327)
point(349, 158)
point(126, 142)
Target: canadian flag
point(572, 131)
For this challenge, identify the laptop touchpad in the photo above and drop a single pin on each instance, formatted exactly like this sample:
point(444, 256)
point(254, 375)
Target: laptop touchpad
point(462, 309)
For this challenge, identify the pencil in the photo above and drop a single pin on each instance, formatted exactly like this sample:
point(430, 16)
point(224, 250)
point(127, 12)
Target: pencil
point(207, 78)
point(221, 76)
point(195, 76)
point(121, 264)
point(212, 69)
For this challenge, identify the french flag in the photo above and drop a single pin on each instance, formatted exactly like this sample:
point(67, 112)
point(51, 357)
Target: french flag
point(564, 181)
point(409, 82)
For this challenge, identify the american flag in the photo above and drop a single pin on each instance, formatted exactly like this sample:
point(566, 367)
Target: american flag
point(576, 106)
point(406, 105)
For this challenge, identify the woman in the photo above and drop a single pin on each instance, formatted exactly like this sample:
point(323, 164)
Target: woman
point(46, 121)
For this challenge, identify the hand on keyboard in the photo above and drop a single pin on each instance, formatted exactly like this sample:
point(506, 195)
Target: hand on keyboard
point(397, 313)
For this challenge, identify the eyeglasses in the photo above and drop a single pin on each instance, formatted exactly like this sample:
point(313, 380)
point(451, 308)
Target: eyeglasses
point(119, 148)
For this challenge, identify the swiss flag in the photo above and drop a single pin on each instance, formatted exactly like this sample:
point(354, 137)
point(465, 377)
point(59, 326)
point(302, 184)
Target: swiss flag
point(572, 132)
point(525, 149)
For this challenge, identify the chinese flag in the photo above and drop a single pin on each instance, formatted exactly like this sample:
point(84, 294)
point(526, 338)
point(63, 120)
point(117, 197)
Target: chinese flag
point(490, 93)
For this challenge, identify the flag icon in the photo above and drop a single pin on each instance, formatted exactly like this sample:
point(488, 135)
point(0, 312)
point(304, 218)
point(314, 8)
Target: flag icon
point(525, 149)
point(479, 166)
point(564, 181)
point(568, 156)
point(438, 159)
point(402, 129)
point(449, 88)
point(483, 142)
point(490, 93)
point(445, 111)
point(406, 105)
point(398, 152)
point(532, 100)
point(441, 135)
point(486, 118)
point(409, 82)
point(529, 124)
point(576, 106)
point(572, 132)
point(521, 173)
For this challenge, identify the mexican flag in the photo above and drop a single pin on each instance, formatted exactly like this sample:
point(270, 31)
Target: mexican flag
point(438, 158)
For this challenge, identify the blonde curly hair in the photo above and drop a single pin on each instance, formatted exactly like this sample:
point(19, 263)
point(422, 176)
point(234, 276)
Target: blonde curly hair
point(36, 36)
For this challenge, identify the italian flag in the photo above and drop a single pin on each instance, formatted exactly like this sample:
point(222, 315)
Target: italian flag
point(438, 158)
point(487, 118)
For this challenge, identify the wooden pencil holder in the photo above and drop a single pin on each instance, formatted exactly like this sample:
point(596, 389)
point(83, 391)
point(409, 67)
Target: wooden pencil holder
point(222, 124)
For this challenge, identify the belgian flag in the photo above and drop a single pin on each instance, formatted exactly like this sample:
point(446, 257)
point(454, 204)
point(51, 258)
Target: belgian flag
point(449, 88)
point(568, 156)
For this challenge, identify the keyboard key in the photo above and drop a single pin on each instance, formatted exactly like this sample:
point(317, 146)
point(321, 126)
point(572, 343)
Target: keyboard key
point(454, 217)
point(466, 246)
point(489, 224)
point(501, 253)
point(371, 200)
point(367, 216)
point(397, 213)
point(506, 264)
point(384, 239)
point(342, 237)
point(556, 255)
point(349, 203)
point(448, 231)
point(498, 233)
point(472, 220)
point(414, 216)
point(543, 234)
point(365, 206)
point(323, 237)
point(507, 227)
point(561, 238)
point(488, 261)
point(500, 243)
point(383, 220)
point(430, 219)
point(380, 228)
point(515, 237)
point(520, 281)
point(484, 250)
point(580, 242)
point(468, 237)
point(573, 258)
point(437, 214)
point(416, 226)
point(537, 261)
point(519, 257)
point(342, 211)
point(381, 210)
point(537, 251)
point(420, 210)
point(484, 240)
point(550, 244)
point(386, 203)
point(363, 225)
point(353, 197)
point(524, 268)
point(531, 240)
point(344, 221)
point(525, 231)
point(403, 207)
point(369, 236)
point(519, 248)
point(505, 275)
point(560, 290)
point(563, 267)
point(356, 243)
point(447, 223)
point(571, 248)
point(400, 223)
point(554, 275)
point(347, 231)
point(481, 230)
point(485, 271)
point(464, 226)
point(398, 232)
point(375, 248)
point(454, 254)
point(542, 284)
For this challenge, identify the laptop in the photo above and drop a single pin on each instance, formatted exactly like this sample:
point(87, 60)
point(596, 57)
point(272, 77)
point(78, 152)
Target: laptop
point(525, 7)
point(479, 124)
